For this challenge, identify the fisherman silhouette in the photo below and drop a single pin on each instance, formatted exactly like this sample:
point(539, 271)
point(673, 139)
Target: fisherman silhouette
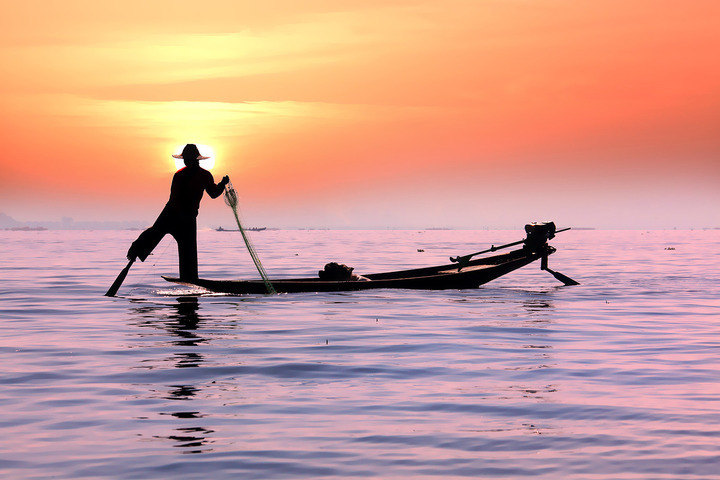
point(179, 217)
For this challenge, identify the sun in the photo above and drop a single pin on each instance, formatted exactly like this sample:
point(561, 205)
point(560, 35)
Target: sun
point(205, 151)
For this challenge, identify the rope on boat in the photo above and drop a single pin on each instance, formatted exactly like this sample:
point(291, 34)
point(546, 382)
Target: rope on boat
point(231, 199)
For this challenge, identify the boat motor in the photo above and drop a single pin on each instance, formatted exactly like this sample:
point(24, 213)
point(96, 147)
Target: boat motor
point(535, 241)
point(538, 234)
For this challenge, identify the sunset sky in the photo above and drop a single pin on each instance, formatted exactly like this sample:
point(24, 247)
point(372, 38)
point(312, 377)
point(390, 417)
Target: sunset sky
point(367, 113)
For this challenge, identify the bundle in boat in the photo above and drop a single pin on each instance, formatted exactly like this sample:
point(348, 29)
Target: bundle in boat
point(340, 271)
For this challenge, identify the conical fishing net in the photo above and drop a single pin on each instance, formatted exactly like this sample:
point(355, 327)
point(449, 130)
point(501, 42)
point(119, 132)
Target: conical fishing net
point(231, 199)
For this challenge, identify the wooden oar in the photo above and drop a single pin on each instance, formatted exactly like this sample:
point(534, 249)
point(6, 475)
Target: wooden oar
point(119, 280)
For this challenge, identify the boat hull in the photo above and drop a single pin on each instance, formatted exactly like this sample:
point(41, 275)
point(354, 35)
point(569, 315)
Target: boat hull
point(450, 276)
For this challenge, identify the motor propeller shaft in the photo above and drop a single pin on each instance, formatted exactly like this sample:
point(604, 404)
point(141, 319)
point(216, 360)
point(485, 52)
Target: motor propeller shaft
point(563, 278)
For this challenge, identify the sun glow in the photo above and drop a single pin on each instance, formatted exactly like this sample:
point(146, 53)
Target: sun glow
point(205, 151)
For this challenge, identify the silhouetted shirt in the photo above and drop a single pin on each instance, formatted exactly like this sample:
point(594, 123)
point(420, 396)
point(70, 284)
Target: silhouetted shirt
point(187, 189)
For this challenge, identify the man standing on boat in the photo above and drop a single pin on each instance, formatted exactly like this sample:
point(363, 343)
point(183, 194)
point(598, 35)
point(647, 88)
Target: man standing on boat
point(179, 217)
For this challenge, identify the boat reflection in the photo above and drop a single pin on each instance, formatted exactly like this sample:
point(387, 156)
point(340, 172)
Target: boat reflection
point(538, 302)
point(537, 347)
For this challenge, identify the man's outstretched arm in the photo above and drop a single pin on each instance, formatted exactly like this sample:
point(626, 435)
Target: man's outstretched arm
point(216, 190)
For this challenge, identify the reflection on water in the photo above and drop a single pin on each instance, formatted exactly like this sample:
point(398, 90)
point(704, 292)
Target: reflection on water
point(181, 320)
point(537, 302)
point(182, 392)
point(192, 439)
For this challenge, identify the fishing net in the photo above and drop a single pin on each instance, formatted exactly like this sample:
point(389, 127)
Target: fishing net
point(231, 199)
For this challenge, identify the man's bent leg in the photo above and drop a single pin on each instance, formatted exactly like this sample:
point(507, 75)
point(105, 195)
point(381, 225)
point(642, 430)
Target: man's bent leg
point(146, 243)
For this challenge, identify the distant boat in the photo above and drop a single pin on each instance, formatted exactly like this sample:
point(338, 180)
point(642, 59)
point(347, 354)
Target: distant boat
point(27, 229)
point(251, 229)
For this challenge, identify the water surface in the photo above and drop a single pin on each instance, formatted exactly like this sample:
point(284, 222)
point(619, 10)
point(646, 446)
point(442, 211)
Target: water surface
point(616, 378)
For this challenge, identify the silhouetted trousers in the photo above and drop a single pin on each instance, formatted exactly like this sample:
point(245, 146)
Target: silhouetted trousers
point(183, 227)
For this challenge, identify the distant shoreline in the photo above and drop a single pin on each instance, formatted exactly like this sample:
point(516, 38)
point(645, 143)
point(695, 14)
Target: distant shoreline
point(41, 228)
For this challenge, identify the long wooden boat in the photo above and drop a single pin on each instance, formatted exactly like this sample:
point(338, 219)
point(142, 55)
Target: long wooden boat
point(463, 273)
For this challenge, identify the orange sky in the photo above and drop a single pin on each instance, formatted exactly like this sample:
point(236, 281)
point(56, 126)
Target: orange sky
point(367, 113)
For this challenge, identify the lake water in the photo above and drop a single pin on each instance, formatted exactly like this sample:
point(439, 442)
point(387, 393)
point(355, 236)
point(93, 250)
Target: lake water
point(616, 378)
